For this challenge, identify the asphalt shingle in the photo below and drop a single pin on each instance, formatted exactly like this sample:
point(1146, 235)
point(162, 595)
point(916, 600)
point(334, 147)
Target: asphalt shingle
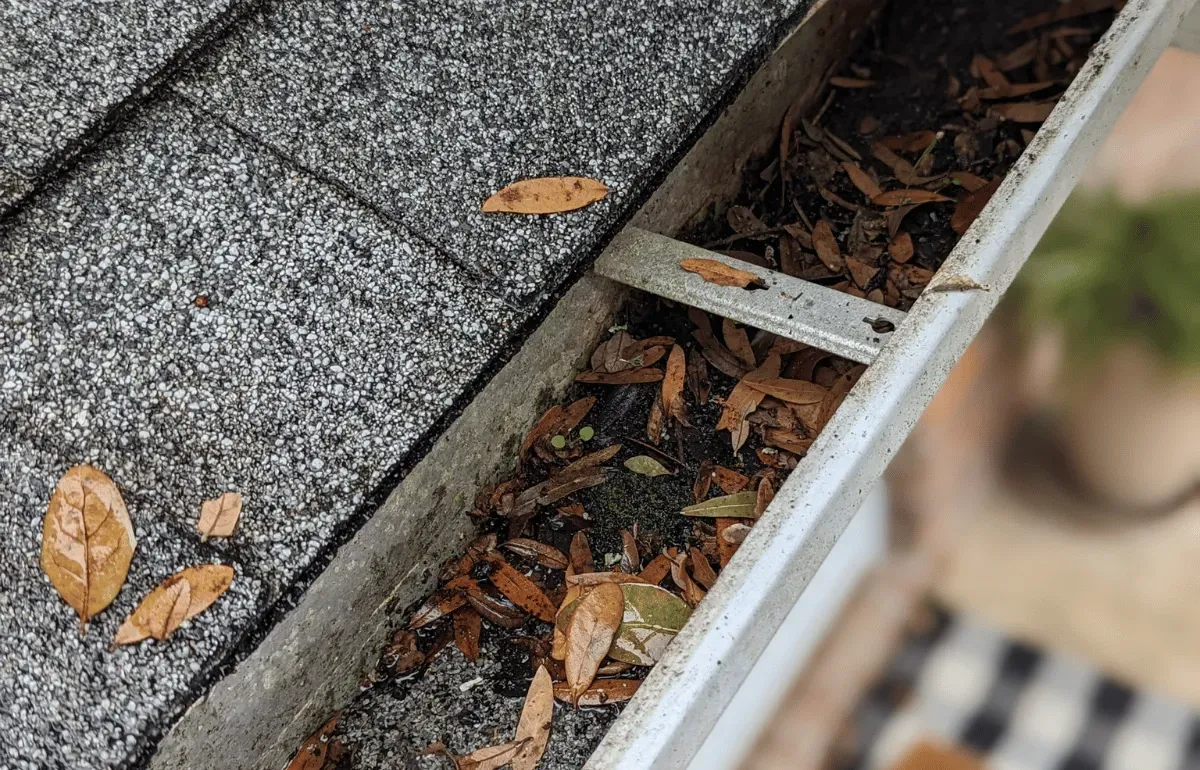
point(331, 341)
point(424, 108)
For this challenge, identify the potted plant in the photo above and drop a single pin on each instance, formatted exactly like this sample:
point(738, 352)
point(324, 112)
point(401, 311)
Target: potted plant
point(1118, 284)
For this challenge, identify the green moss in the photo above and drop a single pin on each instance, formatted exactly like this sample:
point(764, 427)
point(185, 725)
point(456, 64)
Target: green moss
point(1108, 271)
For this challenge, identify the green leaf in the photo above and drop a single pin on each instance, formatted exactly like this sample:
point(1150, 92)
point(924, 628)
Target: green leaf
point(653, 616)
point(558, 442)
point(647, 466)
point(739, 506)
point(586, 433)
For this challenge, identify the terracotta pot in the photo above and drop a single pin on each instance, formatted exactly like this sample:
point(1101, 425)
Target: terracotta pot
point(1130, 429)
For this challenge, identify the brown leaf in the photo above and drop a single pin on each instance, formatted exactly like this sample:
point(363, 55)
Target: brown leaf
point(496, 609)
point(743, 221)
point(591, 579)
point(692, 593)
point(908, 198)
point(607, 356)
point(902, 169)
point(560, 486)
point(735, 534)
point(168, 605)
point(490, 757)
point(601, 693)
point(656, 570)
point(972, 205)
point(915, 142)
point(590, 635)
point(87, 541)
point(738, 342)
point(702, 571)
point(581, 554)
point(536, 717)
point(827, 247)
point(721, 273)
point(545, 555)
point(791, 391)
point(986, 69)
point(787, 439)
point(1067, 10)
point(519, 589)
point(442, 602)
point(543, 428)
point(546, 195)
point(1025, 112)
point(1018, 57)
point(467, 626)
point(969, 181)
point(697, 379)
point(717, 354)
point(628, 377)
point(843, 82)
point(901, 247)
point(402, 654)
point(861, 272)
point(587, 462)
point(703, 481)
point(743, 400)
point(630, 560)
point(837, 393)
point(766, 493)
point(895, 217)
point(315, 749)
point(219, 516)
point(862, 180)
point(729, 480)
point(1015, 90)
point(654, 422)
point(672, 384)
point(725, 548)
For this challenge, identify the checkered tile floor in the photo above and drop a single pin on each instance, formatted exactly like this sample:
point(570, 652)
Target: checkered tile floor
point(1016, 707)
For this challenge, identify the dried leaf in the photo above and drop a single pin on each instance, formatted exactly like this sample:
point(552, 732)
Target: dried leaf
point(986, 69)
point(87, 541)
point(403, 656)
point(972, 205)
point(915, 142)
point(315, 749)
point(490, 757)
point(543, 428)
point(587, 462)
point(630, 559)
point(787, 439)
point(672, 384)
point(442, 602)
point(703, 480)
point(735, 534)
point(862, 180)
point(730, 481)
point(590, 633)
point(738, 342)
point(743, 400)
point(560, 486)
point(591, 579)
point(692, 593)
point(901, 248)
point(546, 195)
point(842, 82)
point(495, 608)
point(743, 221)
point(739, 506)
point(969, 181)
point(766, 493)
point(168, 605)
point(903, 170)
point(1015, 90)
point(545, 555)
point(646, 466)
point(791, 391)
point(725, 547)
point(697, 379)
point(721, 274)
point(1018, 57)
point(1067, 10)
point(654, 421)
point(219, 516)
point(861, 272)
point(628, 377)
point(467, 626)
point(656, 570)
point(827, 247)
point(837, 393)
point(607, 356)
point(519, 589)
point(908, 198)
point(581, 554)
point(601, 693)
point(1025, 112)
point(536, 717)
point(702, 571)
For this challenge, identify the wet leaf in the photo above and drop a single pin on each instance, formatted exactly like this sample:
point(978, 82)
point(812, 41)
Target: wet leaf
point(972, 205)
point(581, 554)
point(908, 198)
point(628, 377)
point(403, 656)
point(590, 633)
point(442, 602)
point(536, 717)
point(656, 570)
point(519, 589)
point(545, 555)
point(314, 751)
point(87, 541)
point(738, 342)
point(827, 247)
point(730, 481)
point(721, 274)
point(219, 516)
point(467, 626)
point(601, 693)
point(646, 466)
point(496, 609)
point(702, 571)
point(546, 195)
point(672, 384)
point(862, 180)
point(791, 391)
point(171, 603)
point(901, 248)
point(1025, 112)
point(739, 506)
point(766, 493)
point(490, 757)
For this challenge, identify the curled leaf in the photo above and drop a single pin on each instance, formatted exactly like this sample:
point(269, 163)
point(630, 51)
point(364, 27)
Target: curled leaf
point(87, 540)
point(672, 384)
point(581, 554)
point(219, 516)
point(590, 633)
point(182, 596)
point(601, 693)
point(546, 195)
point(702, 571)
point(646, 466)
point(721, 274)
point(442, 602)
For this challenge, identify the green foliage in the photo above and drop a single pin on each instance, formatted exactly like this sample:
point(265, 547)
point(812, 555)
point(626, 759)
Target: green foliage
point(1108, 271)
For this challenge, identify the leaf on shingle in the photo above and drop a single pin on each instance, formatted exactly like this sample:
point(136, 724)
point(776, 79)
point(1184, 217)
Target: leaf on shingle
point(219, 516)
point(721, 274)
point(184, 595)
point(739, 506)
point(315, 750)
point(546, 195)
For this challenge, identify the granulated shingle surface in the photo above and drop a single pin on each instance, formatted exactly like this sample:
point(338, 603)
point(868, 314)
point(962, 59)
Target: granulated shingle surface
point(426, 107)
point(65, 63)
point(330, 343)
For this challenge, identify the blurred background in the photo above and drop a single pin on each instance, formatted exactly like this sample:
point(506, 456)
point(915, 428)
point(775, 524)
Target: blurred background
point(1039, 606)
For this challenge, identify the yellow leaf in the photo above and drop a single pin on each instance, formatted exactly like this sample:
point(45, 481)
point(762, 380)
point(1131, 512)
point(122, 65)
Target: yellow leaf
point(590, 634)
point(219, 516)
point(87, 541)
point(535, 721)
point(546, 195)
point(183, 595)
